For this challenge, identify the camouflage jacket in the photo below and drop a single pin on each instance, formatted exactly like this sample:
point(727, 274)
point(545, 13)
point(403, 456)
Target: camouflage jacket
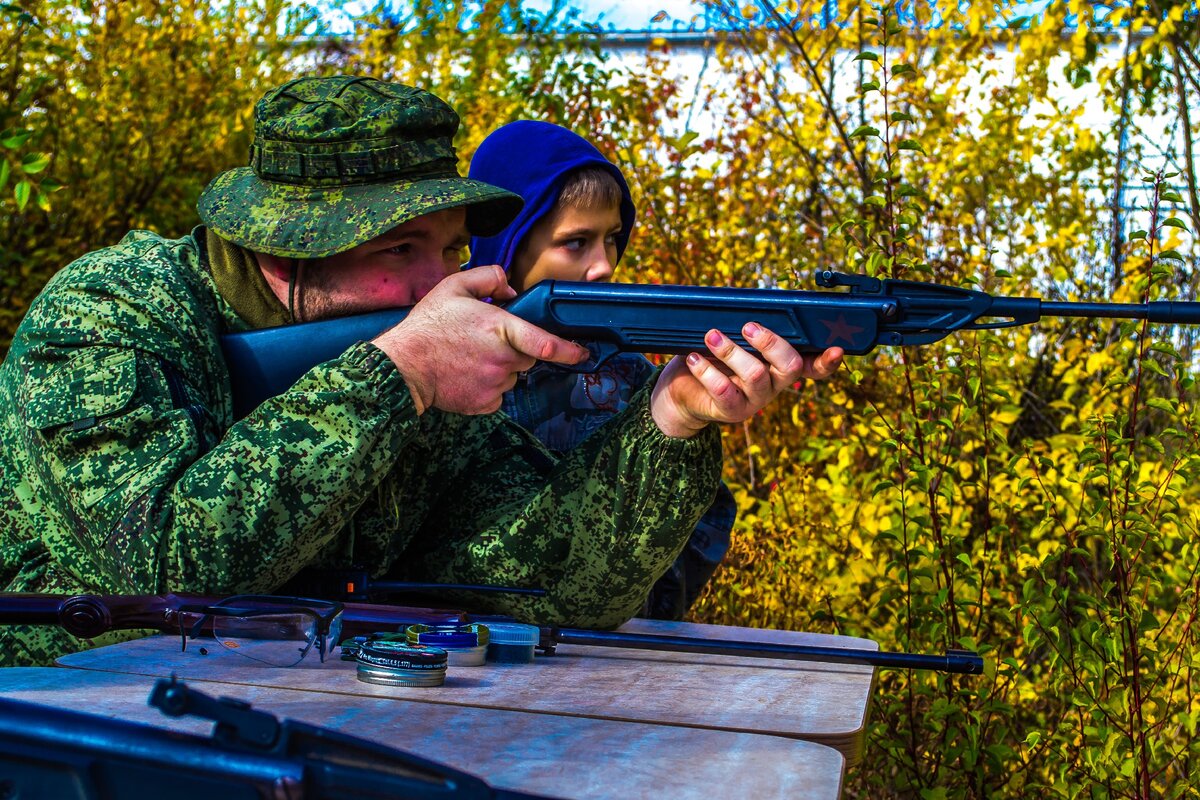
point(124, 471)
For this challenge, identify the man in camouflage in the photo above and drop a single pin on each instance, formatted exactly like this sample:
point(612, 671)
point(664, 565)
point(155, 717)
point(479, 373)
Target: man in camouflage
point(125, 472)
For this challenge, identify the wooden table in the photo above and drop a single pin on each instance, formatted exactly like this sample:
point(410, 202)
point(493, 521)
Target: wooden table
point(588, 722)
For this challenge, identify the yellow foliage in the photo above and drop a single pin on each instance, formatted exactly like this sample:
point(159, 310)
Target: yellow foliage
point(1026, 492)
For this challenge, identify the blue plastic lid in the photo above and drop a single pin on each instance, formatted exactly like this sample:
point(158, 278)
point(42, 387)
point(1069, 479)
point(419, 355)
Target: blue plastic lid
point(448, 640)
point(513, 633)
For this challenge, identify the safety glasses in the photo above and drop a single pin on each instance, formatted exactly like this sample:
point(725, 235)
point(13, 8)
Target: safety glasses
point(272, 630)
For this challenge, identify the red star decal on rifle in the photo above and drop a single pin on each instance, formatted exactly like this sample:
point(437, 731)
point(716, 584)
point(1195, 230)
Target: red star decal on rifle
point(841, 330)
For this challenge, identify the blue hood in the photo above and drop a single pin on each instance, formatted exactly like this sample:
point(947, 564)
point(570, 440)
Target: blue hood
point(532, 159)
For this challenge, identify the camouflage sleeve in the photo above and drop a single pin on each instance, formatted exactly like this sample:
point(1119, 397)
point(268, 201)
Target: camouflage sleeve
point(595, 529)
point(151, 495)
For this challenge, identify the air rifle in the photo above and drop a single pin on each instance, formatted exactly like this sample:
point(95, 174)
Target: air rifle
point(88, 616)
point(50, 752)
point(612, 318)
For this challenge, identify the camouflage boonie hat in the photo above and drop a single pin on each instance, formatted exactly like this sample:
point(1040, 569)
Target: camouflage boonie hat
point(337, 161)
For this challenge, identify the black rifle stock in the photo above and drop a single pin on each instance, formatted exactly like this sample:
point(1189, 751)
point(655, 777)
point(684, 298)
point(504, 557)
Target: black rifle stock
point(612, 318)
point(55, 754)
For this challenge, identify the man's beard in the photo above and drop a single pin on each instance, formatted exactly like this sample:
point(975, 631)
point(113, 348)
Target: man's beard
point(314, 300)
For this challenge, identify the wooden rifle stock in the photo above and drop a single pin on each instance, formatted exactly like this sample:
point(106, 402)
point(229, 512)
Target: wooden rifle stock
point(88, 616)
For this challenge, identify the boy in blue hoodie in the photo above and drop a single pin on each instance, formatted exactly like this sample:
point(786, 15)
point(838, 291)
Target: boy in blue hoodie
point(575, 225)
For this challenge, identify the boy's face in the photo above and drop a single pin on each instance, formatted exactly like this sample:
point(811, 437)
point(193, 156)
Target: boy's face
point(568, 244)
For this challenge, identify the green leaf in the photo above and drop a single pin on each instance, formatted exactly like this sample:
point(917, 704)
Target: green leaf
point(864, 130)
point(43, 202)
point(14, 137)
point(900, 116)
point(870, 86)
point(5, 169)
point(1164, 347)
point(1153, 366)
point(21, 192)
point(866, 55)
point(902, 69)
point(35, 162)
point(1133, 237)
point(1173, 254)
point(910, 144)
point(1017, 22)
point(1172, 197)
point(875, 200)
point(1162, 404)
point(1174, 222)
point(683, 140)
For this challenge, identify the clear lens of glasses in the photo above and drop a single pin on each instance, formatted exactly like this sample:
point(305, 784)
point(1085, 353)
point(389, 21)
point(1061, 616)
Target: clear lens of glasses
point(279, 639)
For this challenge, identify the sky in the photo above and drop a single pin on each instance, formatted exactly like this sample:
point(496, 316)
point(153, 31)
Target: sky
point(656, 15)
point(671, 14)
point(635, 14)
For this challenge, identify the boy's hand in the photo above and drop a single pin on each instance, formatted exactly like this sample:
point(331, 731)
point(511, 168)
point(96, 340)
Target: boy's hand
point(459, 354)
point(731, 385)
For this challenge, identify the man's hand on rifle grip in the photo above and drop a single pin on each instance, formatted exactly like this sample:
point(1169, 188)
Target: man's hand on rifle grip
point(459, 354)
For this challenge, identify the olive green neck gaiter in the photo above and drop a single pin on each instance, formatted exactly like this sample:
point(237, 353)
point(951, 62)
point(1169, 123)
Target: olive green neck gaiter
point(239, 280)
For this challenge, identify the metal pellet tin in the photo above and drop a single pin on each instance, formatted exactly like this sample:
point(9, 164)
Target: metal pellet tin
point(393, 663)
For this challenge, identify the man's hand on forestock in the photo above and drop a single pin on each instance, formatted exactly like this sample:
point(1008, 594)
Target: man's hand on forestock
point(731, 385)
point(459, 354)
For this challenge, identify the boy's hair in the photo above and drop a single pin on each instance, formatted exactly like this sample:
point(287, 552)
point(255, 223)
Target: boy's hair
point(590, 187)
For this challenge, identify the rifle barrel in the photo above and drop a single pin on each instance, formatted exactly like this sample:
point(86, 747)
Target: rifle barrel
point(1169, 311)
point(955, 661)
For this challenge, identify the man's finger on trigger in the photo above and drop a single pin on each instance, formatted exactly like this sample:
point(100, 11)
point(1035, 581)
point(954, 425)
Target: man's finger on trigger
point(542, 345)
point(561, 351)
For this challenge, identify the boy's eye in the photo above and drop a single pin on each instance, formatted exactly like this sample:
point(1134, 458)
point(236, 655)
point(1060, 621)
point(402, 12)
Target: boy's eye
point(401, 249)
point(575, 244)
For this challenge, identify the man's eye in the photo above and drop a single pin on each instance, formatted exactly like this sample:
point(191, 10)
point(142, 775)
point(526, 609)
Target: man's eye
point(401, 249)
point(575, 244)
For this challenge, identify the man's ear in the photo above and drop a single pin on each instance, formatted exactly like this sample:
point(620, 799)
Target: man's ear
point(277, 271)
